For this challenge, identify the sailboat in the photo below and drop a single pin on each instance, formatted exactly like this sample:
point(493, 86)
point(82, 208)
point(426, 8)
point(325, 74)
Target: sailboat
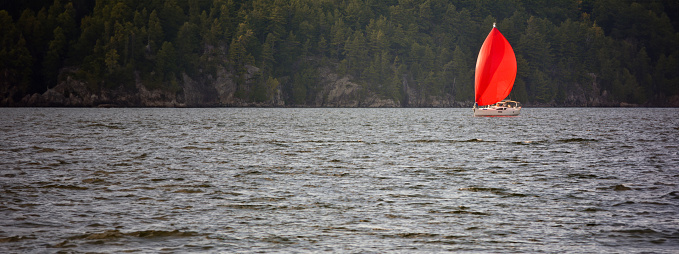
point(495, 75)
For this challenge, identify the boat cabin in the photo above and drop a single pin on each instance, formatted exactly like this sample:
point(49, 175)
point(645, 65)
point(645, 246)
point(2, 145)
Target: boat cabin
point(502, 105)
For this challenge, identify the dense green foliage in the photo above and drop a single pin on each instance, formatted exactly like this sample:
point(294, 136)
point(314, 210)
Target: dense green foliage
point(626, 48)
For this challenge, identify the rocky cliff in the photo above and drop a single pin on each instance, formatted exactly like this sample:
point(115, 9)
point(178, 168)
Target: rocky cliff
point(75, 93)
point(220, 91)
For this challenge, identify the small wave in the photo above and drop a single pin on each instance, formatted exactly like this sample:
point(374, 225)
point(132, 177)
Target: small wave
point(161, 233)
point(656, 203)
point(617, 187)
point(592, 210)
point(483, 189)
point(621, 187)
point(278, 239)
point(640, 232)
point(475, 140)
point(266, 199)
point(624, 203)
point(110, 126)
point(64, 244)
point(497, 191)
point(44, 149)
point(395, 216)
point(576, 140)
point(110, 234)
point(583, 176)
point(461, 211)
point(189, 191)
point(197, 148)
point(66, 187)
point(142, 156)
point(247, 206)
point(449, 141)
point(416, 235)
point(94, 180)
point(13, 239)
point(115, 234)
point(249, 172)
point(282, 143)
point(567, 140)
point(452, 169)
point(426, 141)
point(672, 195)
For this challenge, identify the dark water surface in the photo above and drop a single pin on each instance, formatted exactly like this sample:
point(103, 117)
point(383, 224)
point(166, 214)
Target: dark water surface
point(338, 180)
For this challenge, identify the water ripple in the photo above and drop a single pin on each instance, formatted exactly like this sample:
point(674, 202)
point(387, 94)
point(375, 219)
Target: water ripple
point(338, 180)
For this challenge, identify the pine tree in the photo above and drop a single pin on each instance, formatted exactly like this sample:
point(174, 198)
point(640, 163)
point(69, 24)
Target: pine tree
point(53, 59)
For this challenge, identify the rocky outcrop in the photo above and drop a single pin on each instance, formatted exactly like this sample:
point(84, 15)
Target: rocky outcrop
point(209, 92)
point(148, 98)
point(75, 93)
point(225, 88)
point(334, 90)
point(70, 92)
point(340, 91)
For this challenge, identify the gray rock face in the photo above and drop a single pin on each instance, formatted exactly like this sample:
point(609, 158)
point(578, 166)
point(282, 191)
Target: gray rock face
point(337, 91)
point(220, 91)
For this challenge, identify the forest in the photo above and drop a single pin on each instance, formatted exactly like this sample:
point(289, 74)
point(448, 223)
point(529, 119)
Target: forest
point(621, 51)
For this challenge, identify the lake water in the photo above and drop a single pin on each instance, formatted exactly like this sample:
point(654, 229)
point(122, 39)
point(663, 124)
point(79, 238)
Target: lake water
point(246, 180)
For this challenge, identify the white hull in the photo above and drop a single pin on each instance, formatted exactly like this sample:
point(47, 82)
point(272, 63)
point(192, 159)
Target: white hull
point(496, 111)
point(503, 108)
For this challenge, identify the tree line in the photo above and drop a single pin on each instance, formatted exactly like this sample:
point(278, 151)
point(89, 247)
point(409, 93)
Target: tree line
point(626, 50)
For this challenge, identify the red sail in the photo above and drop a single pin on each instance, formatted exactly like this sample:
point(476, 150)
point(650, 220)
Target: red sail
point(495, 69)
